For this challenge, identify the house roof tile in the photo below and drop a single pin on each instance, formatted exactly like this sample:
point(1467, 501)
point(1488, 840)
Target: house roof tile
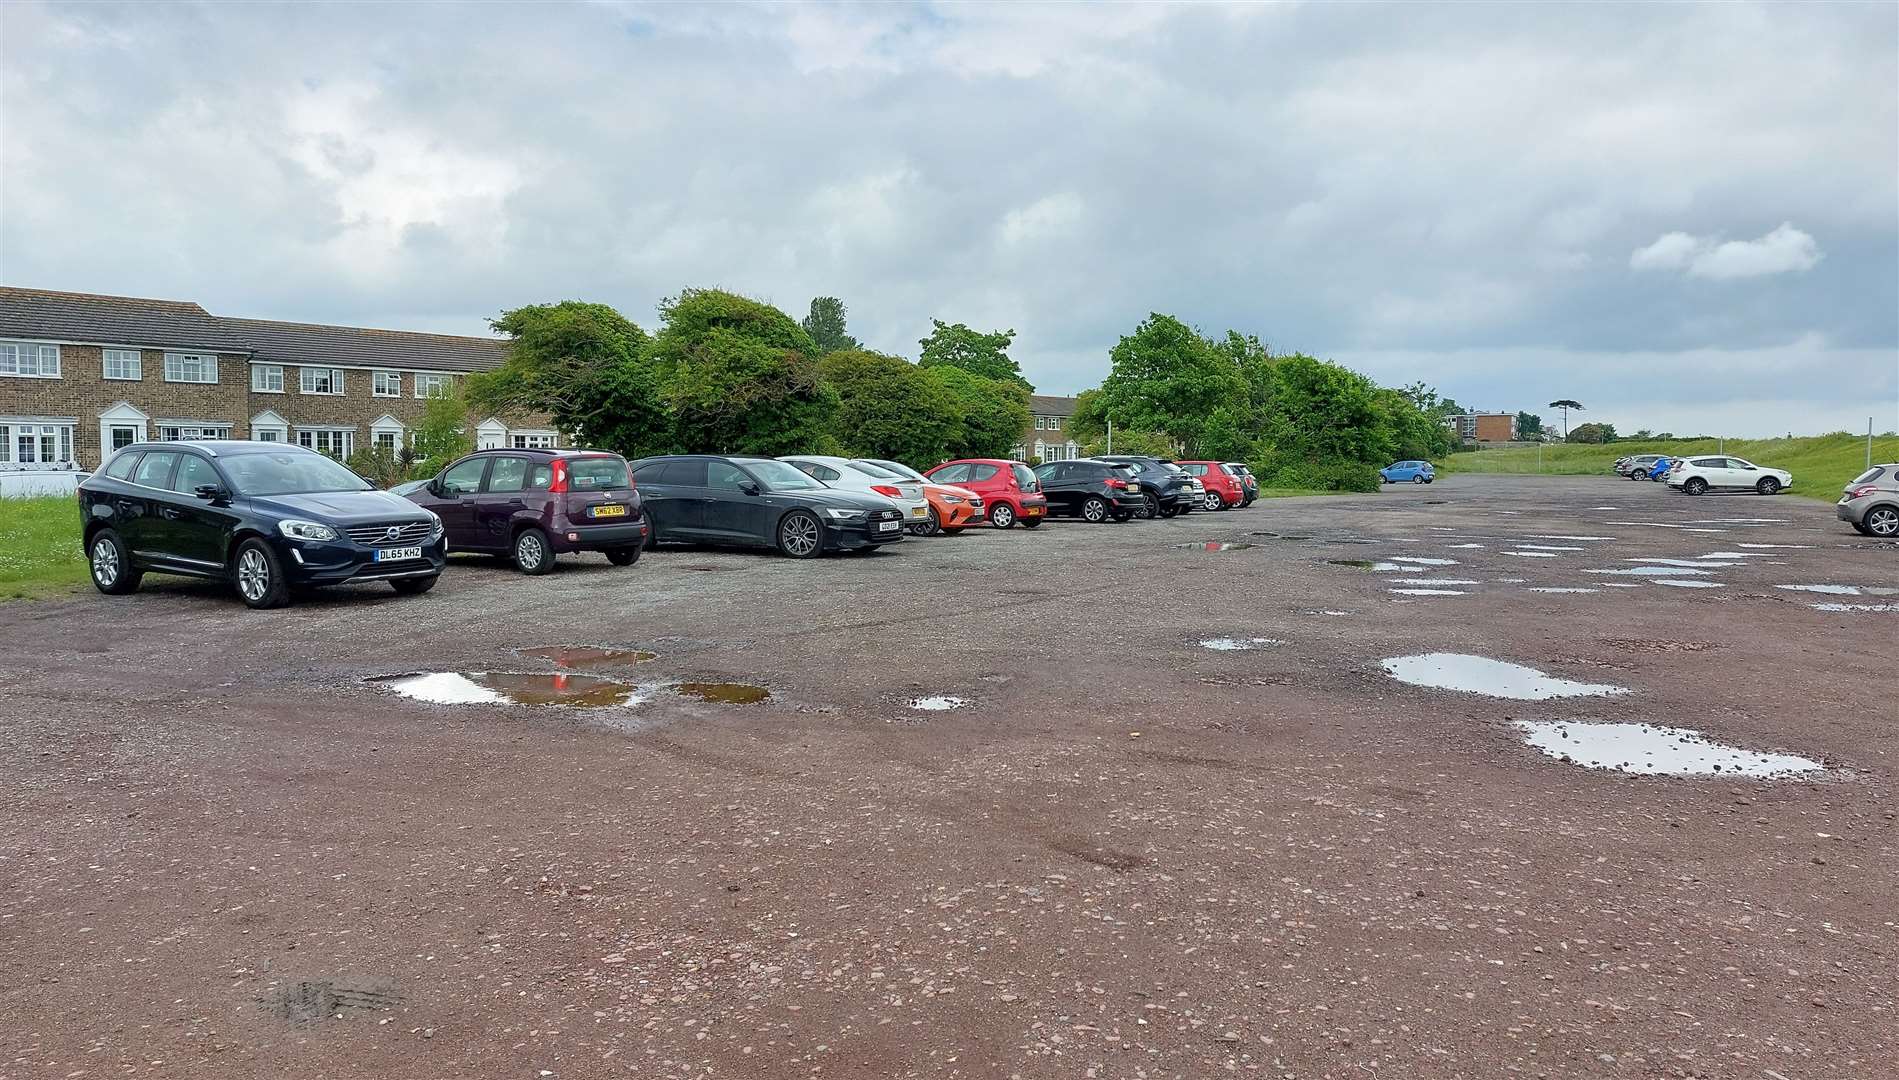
point(112, 320)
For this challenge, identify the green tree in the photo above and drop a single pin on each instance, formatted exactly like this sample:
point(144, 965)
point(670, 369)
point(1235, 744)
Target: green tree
point(585, 365)
point(890, 408)
point(973, 351)
point(1324, 412)
point(442, 434)
point(1165, 377)
point(1566, 404)
point(991, 414)
point(825, 324)
point(1592, 433)
point(1529, 425)
point(741, 377)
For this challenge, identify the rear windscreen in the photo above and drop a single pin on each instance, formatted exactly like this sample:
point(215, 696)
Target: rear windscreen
point(593, 473)
point(1022, 475)
point(1866, 477)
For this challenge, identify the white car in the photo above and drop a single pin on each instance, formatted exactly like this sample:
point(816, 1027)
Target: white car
point(851, 475)
point(1702, 474)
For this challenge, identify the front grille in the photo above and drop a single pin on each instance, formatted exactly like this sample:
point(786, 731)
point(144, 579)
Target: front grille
point(406, 532)
point(885, 515)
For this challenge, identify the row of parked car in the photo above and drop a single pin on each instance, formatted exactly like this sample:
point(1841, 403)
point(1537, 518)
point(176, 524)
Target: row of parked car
point(272, 518)
point(1700, 475)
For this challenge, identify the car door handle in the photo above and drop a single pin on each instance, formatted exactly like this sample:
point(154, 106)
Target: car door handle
point(170, 514)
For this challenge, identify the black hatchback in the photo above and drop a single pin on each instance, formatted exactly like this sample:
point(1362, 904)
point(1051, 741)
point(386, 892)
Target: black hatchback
point(265, 516)
point(759, 502)
point(1091, 490)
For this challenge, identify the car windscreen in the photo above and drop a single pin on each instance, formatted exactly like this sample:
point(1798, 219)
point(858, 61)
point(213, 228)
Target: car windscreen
point(872, 470)
point(781, 477)
point(595, 473)
point(289, 473)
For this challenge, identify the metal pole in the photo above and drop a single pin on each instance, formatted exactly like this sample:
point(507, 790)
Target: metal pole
point(1539, 455)
point(1111, 437)
point(1869, 442)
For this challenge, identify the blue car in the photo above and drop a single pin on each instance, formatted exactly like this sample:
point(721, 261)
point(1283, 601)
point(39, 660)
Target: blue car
point(1418, 472)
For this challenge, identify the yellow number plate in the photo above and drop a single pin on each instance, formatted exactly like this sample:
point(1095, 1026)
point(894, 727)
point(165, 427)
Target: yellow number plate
point(609, 510)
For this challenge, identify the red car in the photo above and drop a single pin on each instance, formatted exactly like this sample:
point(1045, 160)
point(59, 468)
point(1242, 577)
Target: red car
point(1008, 488)
point(1224, 490)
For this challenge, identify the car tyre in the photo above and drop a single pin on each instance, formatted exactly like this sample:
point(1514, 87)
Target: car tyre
point(533, 552)
point(1213, 501)
point(623, 556)
point(414, 586)
point(1002, 516)
point(112, 570)
point(1095, 510)
point(800, 535)
point(1418, 479)
point(1695, 485)
point(1150, 505)
point(1882, 521)
point(933, 526)
point(259, 575)
point(1768, 486)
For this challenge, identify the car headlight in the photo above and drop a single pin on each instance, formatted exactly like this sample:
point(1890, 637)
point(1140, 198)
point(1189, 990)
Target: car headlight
point(435, 525)
point(953, 500)
point(306, 530)
point(837, 514)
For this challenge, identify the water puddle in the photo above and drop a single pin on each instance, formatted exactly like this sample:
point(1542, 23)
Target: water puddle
point(1647, 750)
point(1690, 584)
point(513, 688)
point(1227, 644)
point(1760, 546)
point(937, 704)
point(1734, 555)
point(1324, 611)
point(1429, 592)
point(1420, 560)
point(723, 693)
point(1440, 581)
point(1682, 562)
point(1561, 536)
point(1831, 590)
point(1660, 525)
point(1466, 547)
point(1650, 571)
point(1555, 589)
point(1380, 567)
point(1854, 607)
point(1605, 508)
point(1495, 678)
point(1217, 545)
point(1549, 547)
point(1532, 554)
point(1511, 580)
point(587, 656)
point(1621, 584)
point(1738, 521)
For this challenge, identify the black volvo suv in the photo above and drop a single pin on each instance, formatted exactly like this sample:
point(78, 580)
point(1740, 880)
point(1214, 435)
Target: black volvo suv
point(264, 516)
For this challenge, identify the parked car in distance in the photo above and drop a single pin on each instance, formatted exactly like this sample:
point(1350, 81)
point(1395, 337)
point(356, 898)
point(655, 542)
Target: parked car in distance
point(1638, 466)
point(1094, 491)
point(266, 517)
point(759, 502)
point(1221, 488)
point(403, 489)
point(1702, 474)
point(1416, 472)
point(1871, 502)
point(1166, 488)
point(1007, 488)
point(838, 472)
point(1245, 473)
point(533, 505)
point(952, 509)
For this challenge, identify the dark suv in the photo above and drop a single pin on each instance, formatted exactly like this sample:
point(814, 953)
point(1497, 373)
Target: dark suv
point(264, 516)
point(1166, 489)
point(760, 502)
point(1091, 490)
point(535, 504)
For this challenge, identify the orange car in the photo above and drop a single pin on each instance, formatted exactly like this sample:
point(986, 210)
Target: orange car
point(952, 509)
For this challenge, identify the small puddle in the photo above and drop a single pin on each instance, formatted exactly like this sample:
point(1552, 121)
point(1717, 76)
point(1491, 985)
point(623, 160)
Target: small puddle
point(1420, 560)
point(1661, 525)
point(1428, 592)
point(1734, 555)
point(1843, 590)
point(1555, 589)
point(1690, 584)
point(1563, 536)
point(1217, 545)
point(512, 688)
point(1758, 547)
point(1648, 571)
point(1550, 547)
point(1466, 547)
point(587, 656)
point(1532, 554)
point(1362, 564)
point(937, 704)
point(1647, 750)
point(1854, 607)
point(1440, 581)
point(723, 693)
point(1621, 584)
point(1495, 678)
point(1681, 562)
point(1227, 644)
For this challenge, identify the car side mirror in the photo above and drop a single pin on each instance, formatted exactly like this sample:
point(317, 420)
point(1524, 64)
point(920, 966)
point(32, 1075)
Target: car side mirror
point(749, 487)
point(210, 492)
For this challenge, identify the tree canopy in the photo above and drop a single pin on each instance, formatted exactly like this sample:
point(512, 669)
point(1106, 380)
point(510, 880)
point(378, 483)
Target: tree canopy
point(585, 365)
point(1165, 377)
point(991, 414)
point(741, 377)
point(890, 408)
point(825, 324)
point(984, 354)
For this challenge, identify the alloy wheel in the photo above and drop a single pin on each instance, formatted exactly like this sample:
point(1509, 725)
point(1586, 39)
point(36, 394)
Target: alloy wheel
point(528, 550)
point(1883, 521)
point(253, 575)
point(799, 534)
point(105, 563)
point(1094, 510)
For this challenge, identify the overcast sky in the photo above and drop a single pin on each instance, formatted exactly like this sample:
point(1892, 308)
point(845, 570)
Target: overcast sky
point(1687, 217)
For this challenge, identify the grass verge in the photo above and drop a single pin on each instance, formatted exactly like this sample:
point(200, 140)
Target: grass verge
point(39, 547)
point(1821, 464)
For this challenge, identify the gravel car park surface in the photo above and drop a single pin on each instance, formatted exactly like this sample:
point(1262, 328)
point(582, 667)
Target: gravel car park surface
point(1122, 853)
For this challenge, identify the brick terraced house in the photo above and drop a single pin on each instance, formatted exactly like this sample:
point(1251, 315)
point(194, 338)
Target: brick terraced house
point(82, 375)
point(1048, 437)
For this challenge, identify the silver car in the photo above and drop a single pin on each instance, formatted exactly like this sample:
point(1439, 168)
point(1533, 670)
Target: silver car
point(1871, 502)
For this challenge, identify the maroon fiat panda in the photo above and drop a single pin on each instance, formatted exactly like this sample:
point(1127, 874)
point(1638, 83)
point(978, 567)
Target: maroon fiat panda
point(535, 504)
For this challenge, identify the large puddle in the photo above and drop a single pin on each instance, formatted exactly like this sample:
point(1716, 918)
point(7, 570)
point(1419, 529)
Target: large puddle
point(1495, 678)
point(723, 693)
point(512, 688)
point(1648, 750)
point(588, 656)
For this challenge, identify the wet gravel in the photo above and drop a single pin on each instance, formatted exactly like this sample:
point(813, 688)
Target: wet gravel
point(225, 853)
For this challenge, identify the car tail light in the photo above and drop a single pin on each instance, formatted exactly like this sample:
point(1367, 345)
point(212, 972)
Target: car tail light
point(1117, 484)
point(887, 491)
point(559, 485)
point(1862, 491)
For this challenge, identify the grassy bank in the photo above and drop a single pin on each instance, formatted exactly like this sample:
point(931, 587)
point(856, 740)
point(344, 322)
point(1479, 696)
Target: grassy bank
point(39, 547)
point(1821, 464)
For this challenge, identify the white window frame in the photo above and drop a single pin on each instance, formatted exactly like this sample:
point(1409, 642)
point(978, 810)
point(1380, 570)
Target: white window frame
point(193, 430)
point(530, 440)
point(39, 429)
point(304, 381)
point(378, 382)
point(427, 382)
point(309, 437)
point(175, 369)
point(137, 358)
point(387, 425)
point(1041, 423)
point(13, 360)
point(267, 426)
point(262, 375)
